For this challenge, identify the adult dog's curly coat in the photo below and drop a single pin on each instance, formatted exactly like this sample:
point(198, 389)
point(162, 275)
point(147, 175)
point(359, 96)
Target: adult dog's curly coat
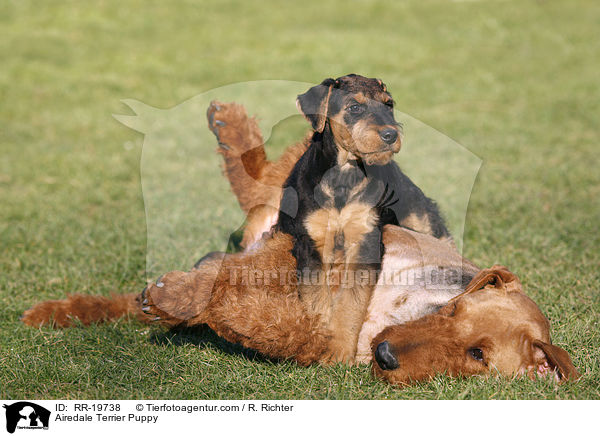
point(343, 188)
point(251, 297)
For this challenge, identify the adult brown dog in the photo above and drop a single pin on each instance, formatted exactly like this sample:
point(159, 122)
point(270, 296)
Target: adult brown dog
point(497, 329)
point(267, 315)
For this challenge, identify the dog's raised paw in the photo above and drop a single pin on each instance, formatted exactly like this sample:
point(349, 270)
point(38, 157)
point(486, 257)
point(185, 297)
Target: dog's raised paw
point(230, 124)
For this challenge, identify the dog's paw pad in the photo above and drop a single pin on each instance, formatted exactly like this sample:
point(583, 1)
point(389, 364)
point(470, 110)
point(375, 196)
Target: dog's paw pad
point(154, 312)
point(231, 125)
point(213, 118)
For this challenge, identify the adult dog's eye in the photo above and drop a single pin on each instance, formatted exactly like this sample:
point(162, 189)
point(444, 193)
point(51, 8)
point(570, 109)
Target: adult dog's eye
point(356, 109)
point(476, 353)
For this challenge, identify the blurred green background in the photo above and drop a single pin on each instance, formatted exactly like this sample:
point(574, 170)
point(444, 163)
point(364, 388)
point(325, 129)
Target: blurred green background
point(515, 82)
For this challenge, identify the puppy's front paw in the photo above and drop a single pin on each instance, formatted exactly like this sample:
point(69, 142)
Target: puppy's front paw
point(174, 299)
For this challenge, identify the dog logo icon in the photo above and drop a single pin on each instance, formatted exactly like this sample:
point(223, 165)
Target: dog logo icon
point(26, 415)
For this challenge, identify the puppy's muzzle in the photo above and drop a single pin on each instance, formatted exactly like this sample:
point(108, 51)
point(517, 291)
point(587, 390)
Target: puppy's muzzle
point(389, 136)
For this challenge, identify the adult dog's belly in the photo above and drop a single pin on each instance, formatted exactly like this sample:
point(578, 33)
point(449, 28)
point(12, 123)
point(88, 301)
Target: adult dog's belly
point(419, 275)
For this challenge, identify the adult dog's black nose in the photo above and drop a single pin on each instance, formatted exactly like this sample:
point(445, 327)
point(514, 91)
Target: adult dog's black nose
point(389, 136)
point(384, 357)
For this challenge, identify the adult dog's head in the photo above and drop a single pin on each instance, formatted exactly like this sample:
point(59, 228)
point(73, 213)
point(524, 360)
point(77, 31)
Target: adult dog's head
point(359, 113)
point(493, 327)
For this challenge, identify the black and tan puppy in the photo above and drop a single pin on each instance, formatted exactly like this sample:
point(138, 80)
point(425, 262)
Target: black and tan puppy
point(346, 187)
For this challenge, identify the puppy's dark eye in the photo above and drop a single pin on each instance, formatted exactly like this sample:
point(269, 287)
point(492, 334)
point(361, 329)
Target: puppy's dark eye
point(356, 109)
point(476, 353)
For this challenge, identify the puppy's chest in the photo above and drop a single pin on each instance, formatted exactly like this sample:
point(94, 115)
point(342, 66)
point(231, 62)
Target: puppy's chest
point(345, 216)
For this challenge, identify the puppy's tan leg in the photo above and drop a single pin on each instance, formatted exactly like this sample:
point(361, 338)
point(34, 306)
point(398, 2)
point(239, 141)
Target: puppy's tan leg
point(247, 298)
point(340, 299)
point(348, 316)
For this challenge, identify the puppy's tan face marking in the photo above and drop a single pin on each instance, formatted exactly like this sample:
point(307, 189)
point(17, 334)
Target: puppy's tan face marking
point(360, 114)
point(364, 126)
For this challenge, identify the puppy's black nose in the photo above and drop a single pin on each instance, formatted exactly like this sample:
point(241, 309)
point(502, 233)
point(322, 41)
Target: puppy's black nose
point(389, 136)
point(384, 357)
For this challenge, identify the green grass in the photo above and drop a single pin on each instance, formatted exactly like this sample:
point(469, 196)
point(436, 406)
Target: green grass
point(516, 82)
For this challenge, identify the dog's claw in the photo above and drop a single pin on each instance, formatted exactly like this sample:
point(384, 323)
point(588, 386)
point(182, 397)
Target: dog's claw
point(164, 301)
point(213, 124)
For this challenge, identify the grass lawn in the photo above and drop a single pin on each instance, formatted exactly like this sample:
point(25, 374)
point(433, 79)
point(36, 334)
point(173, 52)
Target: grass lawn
point(515, 82)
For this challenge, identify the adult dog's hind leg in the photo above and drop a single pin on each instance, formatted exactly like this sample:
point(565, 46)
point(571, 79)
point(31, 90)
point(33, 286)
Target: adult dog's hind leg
point(246, 298)
point(241, 145)
point(256, 181)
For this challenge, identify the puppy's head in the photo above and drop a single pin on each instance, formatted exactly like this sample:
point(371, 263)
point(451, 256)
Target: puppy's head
point(359, 113)
point(492, 328)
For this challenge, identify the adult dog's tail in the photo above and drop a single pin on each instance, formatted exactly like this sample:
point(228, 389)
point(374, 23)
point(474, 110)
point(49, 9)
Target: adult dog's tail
point(85, 309)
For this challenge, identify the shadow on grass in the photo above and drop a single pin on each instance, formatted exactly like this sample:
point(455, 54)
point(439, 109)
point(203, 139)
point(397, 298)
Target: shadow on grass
point(202, 337)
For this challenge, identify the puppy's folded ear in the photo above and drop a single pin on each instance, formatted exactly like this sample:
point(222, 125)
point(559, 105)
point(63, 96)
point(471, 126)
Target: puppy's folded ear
point(559, 360)
point(314, 103)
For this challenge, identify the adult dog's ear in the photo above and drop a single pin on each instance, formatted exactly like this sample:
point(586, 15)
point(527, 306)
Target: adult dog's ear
point(559, 360)
point(314, 103)
point(498, 277)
